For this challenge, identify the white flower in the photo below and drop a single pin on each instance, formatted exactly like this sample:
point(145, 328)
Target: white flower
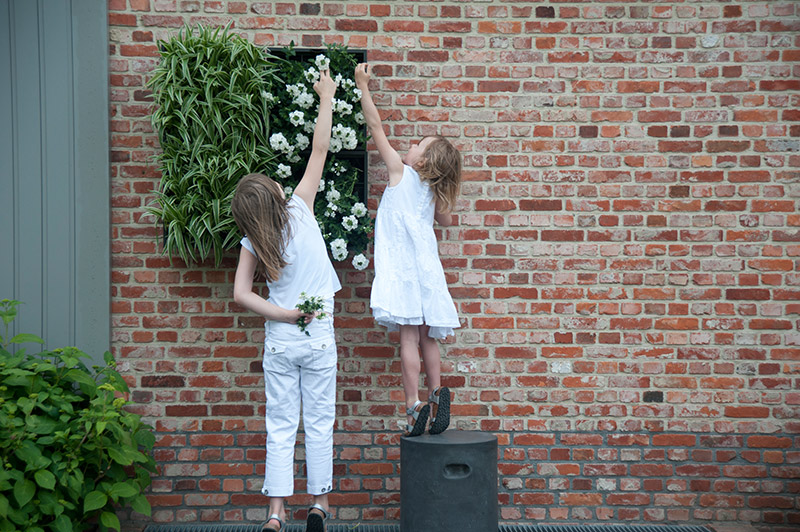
point(336, 146)
point(348, 83)
point(302, 141)
point(284, 170)
point(358, 94)
point(287, 190)
point(350, 142)
point(304, 100)
point(359, 117)
point(295, 90)
point(312, 76)
point(342, 107)
point(297, 118)
point(293, 157)
point(359, 209)
point(322, 62)
point(338, 80)
point(349, 222)
point(333, 195)
point(321, 185)
point(279, 143)
point(339, 249)
point(309, 126)
point(268, 97)
point(337, 168)
point(360, 262)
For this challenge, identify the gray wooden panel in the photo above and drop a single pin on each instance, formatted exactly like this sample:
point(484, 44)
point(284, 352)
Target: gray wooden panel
point(93, 183)
point(58, 201)
point(7, 212)
point(26, 70)
point(54, 170)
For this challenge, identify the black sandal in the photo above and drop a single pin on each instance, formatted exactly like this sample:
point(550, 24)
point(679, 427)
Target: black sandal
point(420, 414)
point(273, 517)
point(316, 522)
point(440, 410)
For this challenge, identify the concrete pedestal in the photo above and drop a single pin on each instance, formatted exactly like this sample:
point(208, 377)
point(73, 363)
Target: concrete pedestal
point(448, 482)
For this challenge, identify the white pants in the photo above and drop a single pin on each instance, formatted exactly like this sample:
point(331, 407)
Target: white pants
point(299, 368)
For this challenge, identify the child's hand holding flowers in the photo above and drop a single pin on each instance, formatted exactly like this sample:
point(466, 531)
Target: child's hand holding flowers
point(310, 306)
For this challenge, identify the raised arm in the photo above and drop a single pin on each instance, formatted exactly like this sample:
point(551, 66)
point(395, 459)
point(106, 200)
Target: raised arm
point(307, 188)
point(394, 163)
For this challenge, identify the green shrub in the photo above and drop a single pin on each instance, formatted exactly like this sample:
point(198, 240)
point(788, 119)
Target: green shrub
point(213, 122)
point(71, 453)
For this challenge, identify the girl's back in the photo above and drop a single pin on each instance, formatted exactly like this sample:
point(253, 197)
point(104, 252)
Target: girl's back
point(409, 286)
point(411, 196)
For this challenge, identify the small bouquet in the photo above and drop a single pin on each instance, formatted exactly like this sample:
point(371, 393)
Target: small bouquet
point(309, 305)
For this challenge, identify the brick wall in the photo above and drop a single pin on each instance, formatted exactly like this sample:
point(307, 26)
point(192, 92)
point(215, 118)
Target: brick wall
point(626, 261)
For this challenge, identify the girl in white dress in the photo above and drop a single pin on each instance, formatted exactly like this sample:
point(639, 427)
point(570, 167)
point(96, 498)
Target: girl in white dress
point(284, 242)
point(409, 292)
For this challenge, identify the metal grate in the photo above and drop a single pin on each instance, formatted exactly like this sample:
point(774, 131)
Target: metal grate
point(359, 527)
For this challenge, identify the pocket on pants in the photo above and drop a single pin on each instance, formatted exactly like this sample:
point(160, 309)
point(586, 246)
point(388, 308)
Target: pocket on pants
point(323, 354)
point(274, 356)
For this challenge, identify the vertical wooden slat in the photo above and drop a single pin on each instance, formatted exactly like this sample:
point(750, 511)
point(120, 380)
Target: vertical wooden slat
point(28, 164)
point(7, 147)
point(93, 184)
point(57, 175)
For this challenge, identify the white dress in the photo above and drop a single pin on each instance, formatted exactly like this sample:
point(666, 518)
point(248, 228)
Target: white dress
point(409, 286)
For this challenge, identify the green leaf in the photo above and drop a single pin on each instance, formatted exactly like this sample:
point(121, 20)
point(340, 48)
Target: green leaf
point(123, 489)
point(142, 505)
point(24, 491)
point(4, 506)
point(45, 479)
point(25, 338)
point(120, 456)
point(110, 520)
point(62, 524)
point(94, 501)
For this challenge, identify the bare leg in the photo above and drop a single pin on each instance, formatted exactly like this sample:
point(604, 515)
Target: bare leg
point(432, 358)
point(275, 507)
point(322, 500)
point(409, 361)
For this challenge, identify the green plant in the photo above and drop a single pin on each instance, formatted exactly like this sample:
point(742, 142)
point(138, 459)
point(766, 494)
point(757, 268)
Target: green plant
point(212, 119)
point(71, 453)
point(342, 217)
point(309, 305)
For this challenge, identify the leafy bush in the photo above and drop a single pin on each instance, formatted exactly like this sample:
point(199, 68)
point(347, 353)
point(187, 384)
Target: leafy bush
point(342, 217)
point(71, 453)
point(212, 122)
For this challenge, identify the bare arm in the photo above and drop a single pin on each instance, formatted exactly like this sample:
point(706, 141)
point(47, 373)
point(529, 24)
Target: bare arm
point(394, 163)
point(442, 217)
point(307, 188)
point(243, 293)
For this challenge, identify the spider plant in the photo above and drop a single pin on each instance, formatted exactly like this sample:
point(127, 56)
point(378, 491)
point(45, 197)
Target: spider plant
point(211, 114)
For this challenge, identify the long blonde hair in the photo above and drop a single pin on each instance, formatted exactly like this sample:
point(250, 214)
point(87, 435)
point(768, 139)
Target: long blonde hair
point(440, 165)
point(260, 211)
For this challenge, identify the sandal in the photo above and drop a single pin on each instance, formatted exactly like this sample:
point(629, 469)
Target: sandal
point(420, 414)
point(273, 517)
point(315, 522)
point(440, 410)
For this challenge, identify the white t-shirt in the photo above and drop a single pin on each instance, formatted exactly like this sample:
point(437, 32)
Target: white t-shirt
point(308, 268)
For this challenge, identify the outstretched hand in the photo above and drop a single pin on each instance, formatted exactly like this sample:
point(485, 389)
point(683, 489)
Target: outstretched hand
point(362, 74)
point(325, 87)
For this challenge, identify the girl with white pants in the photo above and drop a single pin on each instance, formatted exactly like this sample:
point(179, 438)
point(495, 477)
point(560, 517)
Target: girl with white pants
point(285, 245)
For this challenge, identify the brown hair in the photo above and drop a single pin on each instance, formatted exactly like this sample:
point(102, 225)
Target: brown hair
point(262, 215)
point(440, 165)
